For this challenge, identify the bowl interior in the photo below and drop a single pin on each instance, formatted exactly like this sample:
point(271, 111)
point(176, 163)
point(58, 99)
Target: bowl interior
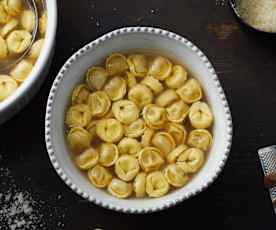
point(184, 54)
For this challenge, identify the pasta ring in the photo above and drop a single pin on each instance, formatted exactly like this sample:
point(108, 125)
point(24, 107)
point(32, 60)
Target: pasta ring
point(18, 41)
point(22, 70)
point(175, 175)
point(129, 146)
point(160, 68)
point(80, 94)
point(163, 141)
point(99, 176)
point(116, 88)
point(135, 129)
point(156, 184)
point(175, 153)
point(154, 116)
point(99, 103)
point(150, 159)
point(119, 188)
point(125, 111)
point(8, 27)
point(88, 159)
point(191, 160)
point(138, 65)
point(7, 86)
point(177, 111)
point(147, 136)
point(177, 78)
point(109, 154)
point(78, 115)
point(155, 85)
point(3, 48)
point(190, 92)
point(139, 185)
point(177, 131)
point(141, 95)
point(200, 115)
point(116, 64)
point(109, 130)
point(200, 138)
point(96, 77)
point(166, 98)
point(127, 167)
point(78, 139)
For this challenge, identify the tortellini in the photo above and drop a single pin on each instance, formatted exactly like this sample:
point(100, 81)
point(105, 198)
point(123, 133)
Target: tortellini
point(154, 116)
point(119, 188)
point(177, 78)
point(138, 126)
point(177, 112)
point(141, 95)
point(125, 111)
point(156, 184)
point(150, 159)
point(191, 160)
point(129, 146)
point(127, 167)
point(166, 98)
point(116, 64)
point(138, 65)
point(99, 103)
point(155, 85)
point(109, 154)
point(160, 68)
point(200, 115)
point(116, 88)
point(88, 159)
point(78, 115)
point(200, 138)
point(78, 139)
point(191, 91)
point(42, 23)
point(19, 50)
point(163, 141)
point(80, 94)
point(139, 185)
point(110, 130)
point(18, 41)
point(175, 175)
point(7, 86)
point(177, 131)
point(135, 129)
point(99, 176)
point(96, 78)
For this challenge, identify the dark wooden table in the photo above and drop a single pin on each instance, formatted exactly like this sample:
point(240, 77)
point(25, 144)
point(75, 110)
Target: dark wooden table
point(246, 64)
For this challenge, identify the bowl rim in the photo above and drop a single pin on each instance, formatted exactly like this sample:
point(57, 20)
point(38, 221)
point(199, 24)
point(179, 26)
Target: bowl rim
point(22, 90)
point(97, 43)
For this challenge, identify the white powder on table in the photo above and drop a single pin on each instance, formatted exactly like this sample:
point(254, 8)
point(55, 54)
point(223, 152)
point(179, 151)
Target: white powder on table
point(261, 14)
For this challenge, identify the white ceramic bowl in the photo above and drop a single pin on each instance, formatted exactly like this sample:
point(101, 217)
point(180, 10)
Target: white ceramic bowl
point(31, 85)
point(125, 40)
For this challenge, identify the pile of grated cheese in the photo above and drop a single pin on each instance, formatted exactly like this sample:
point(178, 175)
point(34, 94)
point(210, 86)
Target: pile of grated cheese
point(260, 14)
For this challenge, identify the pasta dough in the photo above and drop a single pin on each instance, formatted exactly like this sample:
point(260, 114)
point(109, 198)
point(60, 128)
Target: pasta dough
point(200, 115)
point(125, 111)
point(156, 184)
point(127, 125)
point(200, 138)
point(110, 130)
point(127, 167)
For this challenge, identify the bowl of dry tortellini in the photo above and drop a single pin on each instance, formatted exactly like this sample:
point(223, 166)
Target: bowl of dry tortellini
point(26, 47)
point(137, 121)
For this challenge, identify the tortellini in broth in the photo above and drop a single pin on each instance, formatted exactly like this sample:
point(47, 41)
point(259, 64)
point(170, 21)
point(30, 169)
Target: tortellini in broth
point(139, 125)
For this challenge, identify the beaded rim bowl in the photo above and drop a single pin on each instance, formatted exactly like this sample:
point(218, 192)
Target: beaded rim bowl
point(125, 40)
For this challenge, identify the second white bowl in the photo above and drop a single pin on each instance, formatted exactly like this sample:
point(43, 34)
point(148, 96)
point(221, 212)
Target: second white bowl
point(126, 40)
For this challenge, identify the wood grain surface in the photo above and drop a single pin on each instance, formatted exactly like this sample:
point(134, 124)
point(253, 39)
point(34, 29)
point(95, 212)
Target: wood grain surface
point(245, 61)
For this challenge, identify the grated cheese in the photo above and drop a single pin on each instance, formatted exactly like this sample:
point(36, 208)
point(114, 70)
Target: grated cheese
point(260, 14)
